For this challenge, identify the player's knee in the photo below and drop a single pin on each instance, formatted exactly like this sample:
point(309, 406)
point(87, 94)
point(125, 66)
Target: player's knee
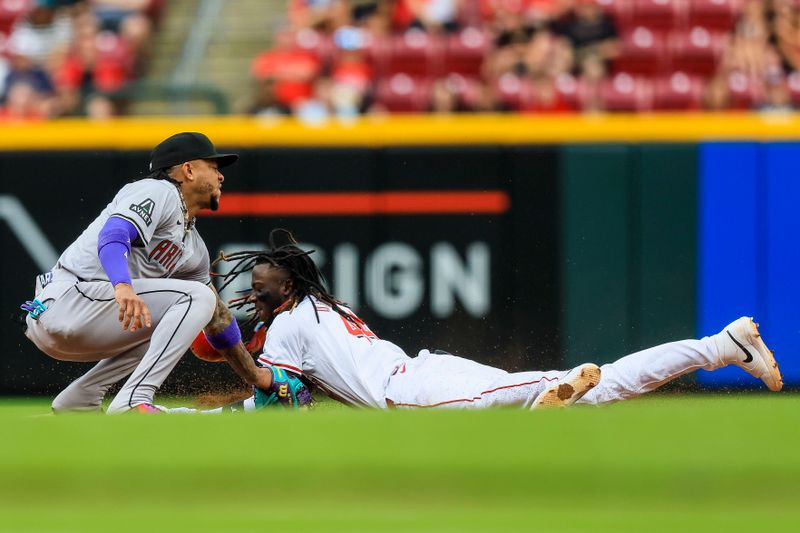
point(205, 299)
point(68, 401)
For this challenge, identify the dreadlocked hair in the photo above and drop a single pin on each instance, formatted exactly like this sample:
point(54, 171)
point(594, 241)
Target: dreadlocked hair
point(160, 174)
point(307, 279)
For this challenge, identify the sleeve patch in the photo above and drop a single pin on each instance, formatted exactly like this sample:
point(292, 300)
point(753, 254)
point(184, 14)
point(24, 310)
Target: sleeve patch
point(144, 210)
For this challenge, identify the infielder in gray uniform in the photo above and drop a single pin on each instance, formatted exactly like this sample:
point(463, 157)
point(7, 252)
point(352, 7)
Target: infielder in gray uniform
point(133, 290)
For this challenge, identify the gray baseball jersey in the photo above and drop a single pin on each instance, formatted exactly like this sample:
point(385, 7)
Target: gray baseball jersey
point(165, 248)
point(169, 269)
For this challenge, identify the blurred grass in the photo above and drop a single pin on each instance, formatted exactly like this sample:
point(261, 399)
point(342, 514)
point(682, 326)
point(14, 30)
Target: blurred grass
point(665, 463)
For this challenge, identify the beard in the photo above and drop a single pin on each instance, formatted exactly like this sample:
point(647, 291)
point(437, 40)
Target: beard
point(213, 202)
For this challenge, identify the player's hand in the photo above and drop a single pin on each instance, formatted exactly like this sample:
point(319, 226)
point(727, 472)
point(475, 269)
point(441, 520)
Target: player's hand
point(133, 312)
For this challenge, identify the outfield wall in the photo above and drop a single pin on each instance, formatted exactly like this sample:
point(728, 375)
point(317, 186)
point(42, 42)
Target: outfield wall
point(519, 242)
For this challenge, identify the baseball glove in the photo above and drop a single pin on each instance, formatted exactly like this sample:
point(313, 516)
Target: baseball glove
point(287, 390)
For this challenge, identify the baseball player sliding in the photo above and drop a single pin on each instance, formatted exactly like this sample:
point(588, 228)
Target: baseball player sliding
point(133, 290)
point(313, 334)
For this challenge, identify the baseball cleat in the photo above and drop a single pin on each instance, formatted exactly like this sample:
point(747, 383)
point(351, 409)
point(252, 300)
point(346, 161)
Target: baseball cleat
point(570, 388)
point(744, 347)
point(148, 408)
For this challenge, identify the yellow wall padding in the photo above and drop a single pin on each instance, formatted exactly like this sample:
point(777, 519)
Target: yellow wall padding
point(144, 132)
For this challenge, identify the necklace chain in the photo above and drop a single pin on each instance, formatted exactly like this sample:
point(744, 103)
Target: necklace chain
point(185, 210)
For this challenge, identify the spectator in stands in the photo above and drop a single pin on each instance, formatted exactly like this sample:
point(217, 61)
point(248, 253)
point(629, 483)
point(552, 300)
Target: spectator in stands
point(446, 97)
point(434, 16)
point(99, 107)
point(374, 17)
point(35, 89)
point(509, 52)
point(590, 30)
point(776, 95)
point(545, 97)
point(127, 18)
point(350, 73)
point(749, 47)
point(88, 71)
point(265, 102)
point(23, 102)
point(592, 73)
point(290, 69)
point(717, 94)
point(45, 33)
point(320, 15)
point(548, 55)
point(786, 30)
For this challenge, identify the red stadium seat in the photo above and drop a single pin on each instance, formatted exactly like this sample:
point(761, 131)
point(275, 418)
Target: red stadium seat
point(10, 11)
point(663, 14)
point(714, 14)
point(465, 51)
point(678, 92)
point(512, 91)
point(413, 52)
point(643, 51)
point(569, 89)
point(623, 92)
point(746, 92)
point(793, 82)
point(402, 93)
point(696, 51)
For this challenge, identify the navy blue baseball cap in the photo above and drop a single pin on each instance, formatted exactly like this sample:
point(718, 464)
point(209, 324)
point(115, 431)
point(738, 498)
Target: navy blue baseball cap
point(187, 146)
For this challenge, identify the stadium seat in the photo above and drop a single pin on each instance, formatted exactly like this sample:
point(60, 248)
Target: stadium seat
point(746, 92)
point(511, 91)
point(569, 89)
point(464, 52)
point(10, 11)
point(402, 93)
point(658, 14)
point(642, 51)
point(717, 15)
point(624, 92)
point(793, 82)
point(413, 52)
point(696, 51)
point(678, 92)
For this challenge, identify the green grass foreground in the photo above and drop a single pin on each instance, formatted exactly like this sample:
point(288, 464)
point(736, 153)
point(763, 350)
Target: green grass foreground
point(665, 463)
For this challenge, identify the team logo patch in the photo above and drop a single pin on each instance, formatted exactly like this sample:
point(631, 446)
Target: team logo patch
point(144, 210)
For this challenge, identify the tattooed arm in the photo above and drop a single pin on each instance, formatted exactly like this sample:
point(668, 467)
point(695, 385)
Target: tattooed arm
point(237, 355)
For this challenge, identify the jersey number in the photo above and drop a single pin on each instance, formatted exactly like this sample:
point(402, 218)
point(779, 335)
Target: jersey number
point(357, 327)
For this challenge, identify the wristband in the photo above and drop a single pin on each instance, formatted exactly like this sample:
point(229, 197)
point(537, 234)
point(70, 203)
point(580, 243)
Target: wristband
point(230, 336)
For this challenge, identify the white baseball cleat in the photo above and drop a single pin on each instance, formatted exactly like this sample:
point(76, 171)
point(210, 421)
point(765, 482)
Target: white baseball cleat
point(743, 346)
point(570, 388)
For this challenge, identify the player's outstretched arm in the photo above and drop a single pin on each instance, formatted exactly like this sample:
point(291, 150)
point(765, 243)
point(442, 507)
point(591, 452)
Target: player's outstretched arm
point(223, 334)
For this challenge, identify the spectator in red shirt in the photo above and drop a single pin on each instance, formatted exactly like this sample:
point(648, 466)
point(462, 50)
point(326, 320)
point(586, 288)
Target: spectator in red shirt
point(291, 70)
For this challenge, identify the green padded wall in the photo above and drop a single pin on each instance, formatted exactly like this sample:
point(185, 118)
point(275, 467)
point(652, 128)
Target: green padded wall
point(628, 239)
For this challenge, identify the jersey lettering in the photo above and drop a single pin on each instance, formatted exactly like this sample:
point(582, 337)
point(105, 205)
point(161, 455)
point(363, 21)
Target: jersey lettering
point(166, 253)
point(357, 327)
